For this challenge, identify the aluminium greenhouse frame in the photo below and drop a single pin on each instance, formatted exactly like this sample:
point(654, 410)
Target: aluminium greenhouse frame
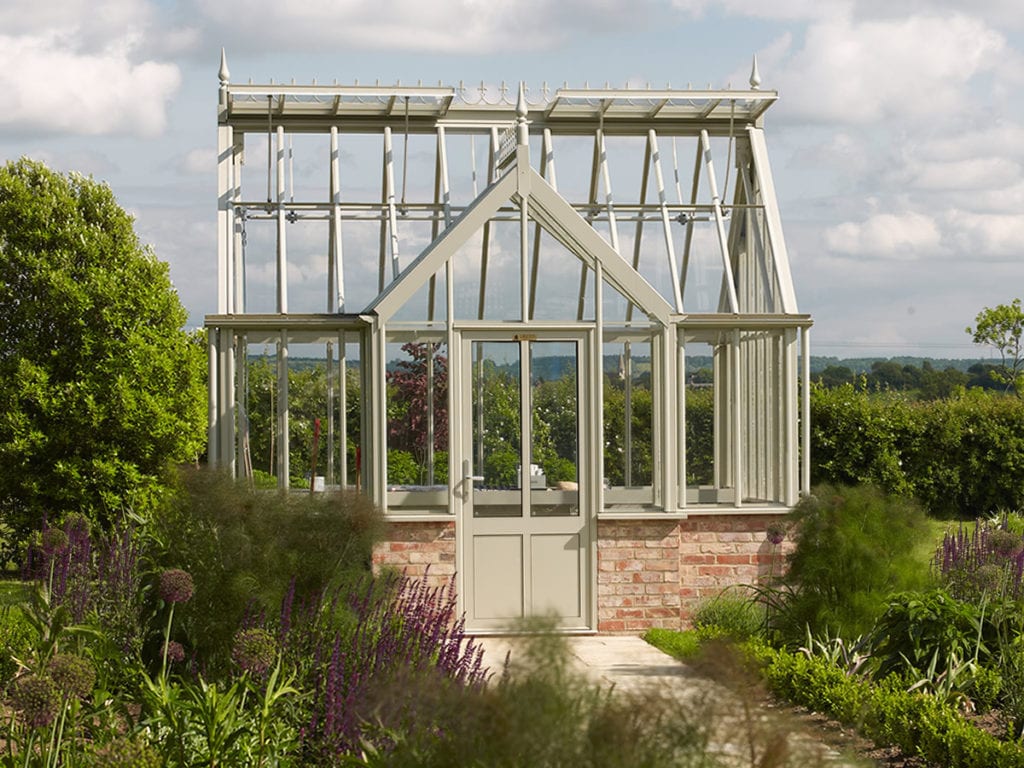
point(488, 276)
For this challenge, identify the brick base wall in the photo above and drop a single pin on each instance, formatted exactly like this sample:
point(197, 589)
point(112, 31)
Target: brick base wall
point(415, 547)
point(655, 574)
point(650, 573)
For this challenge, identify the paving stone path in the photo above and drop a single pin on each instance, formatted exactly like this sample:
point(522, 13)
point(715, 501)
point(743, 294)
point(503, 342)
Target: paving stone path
point(745, 733)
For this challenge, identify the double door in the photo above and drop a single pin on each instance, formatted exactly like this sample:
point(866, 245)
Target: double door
point(526, 521)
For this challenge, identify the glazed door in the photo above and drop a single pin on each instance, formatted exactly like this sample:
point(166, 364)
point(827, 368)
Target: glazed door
point(526, 533)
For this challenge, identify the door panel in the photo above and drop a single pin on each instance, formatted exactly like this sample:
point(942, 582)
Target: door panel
point(555, 574)
point(495, 595)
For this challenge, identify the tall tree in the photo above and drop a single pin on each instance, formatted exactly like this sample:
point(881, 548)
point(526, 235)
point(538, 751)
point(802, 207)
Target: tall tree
point(100, 386)
point(1002, 327)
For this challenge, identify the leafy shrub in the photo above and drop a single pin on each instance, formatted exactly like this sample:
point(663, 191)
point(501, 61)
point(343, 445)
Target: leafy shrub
point(959, 456)
point(402, 468)
point(857, 438)
point(918, 723)
point(919, 629)
point(700, 431)
point(245, 548)
point(501, 468)
point(854, 546)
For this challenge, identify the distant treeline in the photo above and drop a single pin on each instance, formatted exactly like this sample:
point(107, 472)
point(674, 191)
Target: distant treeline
point(928, 378)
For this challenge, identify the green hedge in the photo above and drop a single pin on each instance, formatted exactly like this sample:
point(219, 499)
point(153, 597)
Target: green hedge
point(960, 456)
point(919, 724)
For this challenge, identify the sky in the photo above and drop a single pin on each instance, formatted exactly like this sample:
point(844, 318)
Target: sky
point(897, 142)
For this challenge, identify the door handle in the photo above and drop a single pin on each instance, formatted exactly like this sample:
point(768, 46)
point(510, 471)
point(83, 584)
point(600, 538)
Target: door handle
point(467, 473)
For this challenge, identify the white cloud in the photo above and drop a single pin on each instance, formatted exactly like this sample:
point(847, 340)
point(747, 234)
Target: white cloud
point(900, 235)
point(979, 237)
point(72, 66)
point(779, 9)
point(1006, 12)
point(968, 174)
point(51, 88)
point(868, 71)
point(200, 161)
point(88, 25)
point(452, 26)
point(85, 161)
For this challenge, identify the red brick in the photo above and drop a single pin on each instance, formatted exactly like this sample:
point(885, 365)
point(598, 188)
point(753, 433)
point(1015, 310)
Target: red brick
point(660, 613)
point(697, 559)
point(629, 565)
point(662, 565)
point(733, 560)
point(716, 570)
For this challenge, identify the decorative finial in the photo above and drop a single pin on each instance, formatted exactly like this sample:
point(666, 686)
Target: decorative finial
point(522, 130)
point(755, 76)
point(521, 109)
point(223, 73)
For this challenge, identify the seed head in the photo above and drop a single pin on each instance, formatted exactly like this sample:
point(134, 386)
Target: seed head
point(73, 675)
point(36, 698)
point(176, 586)
point(54, 541)
point(175, 652)
point(254, 651)
point(775, 533)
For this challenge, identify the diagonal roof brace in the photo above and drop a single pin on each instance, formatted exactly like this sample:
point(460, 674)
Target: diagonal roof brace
point(555, 215)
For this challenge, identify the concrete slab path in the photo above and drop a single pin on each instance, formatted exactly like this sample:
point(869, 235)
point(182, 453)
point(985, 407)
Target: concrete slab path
point(744, 731)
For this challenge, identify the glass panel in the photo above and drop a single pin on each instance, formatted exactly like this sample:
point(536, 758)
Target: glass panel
point(554, 409)
point(628, 411)
point(488, 274)
point(258, 414)
point(555, 280)
point(417, 378)
point(700, 415)
point(352, 414)
point(497, 429)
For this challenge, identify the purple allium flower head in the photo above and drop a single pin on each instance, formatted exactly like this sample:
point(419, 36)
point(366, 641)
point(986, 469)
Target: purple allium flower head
point(775, 533)
point(1006, 543)
point(254, 650)
point(37, 700)
point(176, 586)
point(73, 675)
point(54, 540)
point(175, 652)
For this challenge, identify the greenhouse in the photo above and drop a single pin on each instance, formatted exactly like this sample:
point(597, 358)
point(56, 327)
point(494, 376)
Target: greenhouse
point(555, 332)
